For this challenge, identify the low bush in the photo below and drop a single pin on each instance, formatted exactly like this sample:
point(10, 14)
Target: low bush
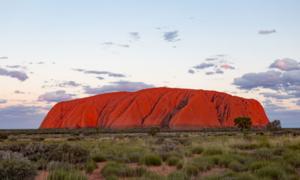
point(121, 170)
point(69, 153)
point(237, 166)
point(213, 151)
point(190, 170)
point(151, 160)
point(14, 166)
point(98, 157)
point(90, 166)
point(63, 174)
point(173, 161)
point(197, 150)
point(271, 172)
point(178, 175)
point(203, 163)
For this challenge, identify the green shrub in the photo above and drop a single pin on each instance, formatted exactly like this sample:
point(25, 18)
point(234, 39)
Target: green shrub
point(3, 136)
point(255, 165)
point(263, 154)
point(69, 153)
point(14, 166)
point(203, 163)
point(197, 150)
point(151, 160)
point(237, 166)
point(98, 157)
point(173, 161)
point(213, 151)
point(190, 170)
point(90, 166)
point(54, 165)
point(272, 172)
point(121, 170)
point(62, 174)
point(294, 159)
point(153, 131)
point(178, 175)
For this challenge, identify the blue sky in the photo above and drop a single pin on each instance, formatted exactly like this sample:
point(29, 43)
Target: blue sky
point(58, 50)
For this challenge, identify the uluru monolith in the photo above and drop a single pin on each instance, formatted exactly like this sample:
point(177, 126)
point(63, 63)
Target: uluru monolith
point(157, 107)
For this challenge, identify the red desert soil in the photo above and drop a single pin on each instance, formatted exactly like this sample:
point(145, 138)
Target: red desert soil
point(160, 107)
point(42, 175)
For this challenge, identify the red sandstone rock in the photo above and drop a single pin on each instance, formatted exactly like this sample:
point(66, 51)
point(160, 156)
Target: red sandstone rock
point(162, 107)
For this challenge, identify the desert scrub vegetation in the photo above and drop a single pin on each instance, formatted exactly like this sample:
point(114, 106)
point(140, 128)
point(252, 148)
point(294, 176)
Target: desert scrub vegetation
point(166, 155)
point(14, 166)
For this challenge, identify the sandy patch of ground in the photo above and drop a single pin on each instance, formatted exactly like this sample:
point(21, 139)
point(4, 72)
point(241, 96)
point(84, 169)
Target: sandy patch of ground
point(42, 175)
point(96, 174)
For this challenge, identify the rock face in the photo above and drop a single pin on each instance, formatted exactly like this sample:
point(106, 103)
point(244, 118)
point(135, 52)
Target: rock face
point(159, 107)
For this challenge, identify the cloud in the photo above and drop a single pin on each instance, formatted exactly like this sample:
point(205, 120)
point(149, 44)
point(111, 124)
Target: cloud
point(109, 43)
point(276, 80)
point(19, 92)
point(68, 84)
point(55, 96)
point(171, 36)
point(285, 83)
point(276, 95)
point(20, 117)
point(117, 86)
point(110, 74)
point(288, 118)
point(135, 35)
point(227, 66)
point(266, 32)
point(3, 101)
point(219, 71)
point(191, 71)
point(20, 75)
point(3, 57)
point(204, 66)
point(216, 65)
point(269, 79)
point(286, 64)
point(209, 73)
point(16, 67)
point(100, 78)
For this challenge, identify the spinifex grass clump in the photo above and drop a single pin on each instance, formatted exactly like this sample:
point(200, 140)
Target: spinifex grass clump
point(115, 169)
point(151, 160)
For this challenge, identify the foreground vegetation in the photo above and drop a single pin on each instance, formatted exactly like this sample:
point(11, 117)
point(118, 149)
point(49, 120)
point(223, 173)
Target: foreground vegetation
point(81, 155)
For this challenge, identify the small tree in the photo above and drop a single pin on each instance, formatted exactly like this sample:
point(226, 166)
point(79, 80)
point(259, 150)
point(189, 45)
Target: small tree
point(153, 131)
point(243, 123)
point(274, 125)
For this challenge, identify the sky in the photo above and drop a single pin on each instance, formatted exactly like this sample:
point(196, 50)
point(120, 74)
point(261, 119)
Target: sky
point(56, 50)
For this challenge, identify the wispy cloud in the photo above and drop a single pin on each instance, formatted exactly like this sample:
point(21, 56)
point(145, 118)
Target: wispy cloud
point(215, 65)
point(20, 75)
point(110, 44)
point(135, 36)
point(171, 36)
point(96, 72)
point(55, 96)
point(3, 57)
point(204, 66)
point(117, 86)
point(266, 32)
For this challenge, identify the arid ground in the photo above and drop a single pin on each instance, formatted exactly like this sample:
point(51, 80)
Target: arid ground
point(86, 154)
